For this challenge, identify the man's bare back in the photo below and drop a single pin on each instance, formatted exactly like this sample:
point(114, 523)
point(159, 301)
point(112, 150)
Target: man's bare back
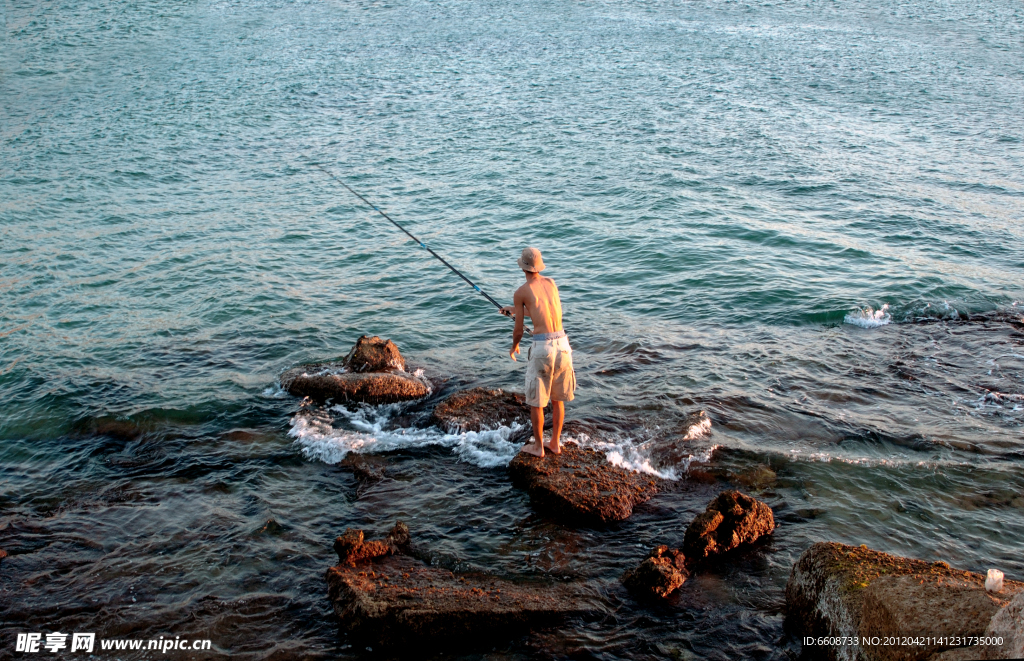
point(549, 375)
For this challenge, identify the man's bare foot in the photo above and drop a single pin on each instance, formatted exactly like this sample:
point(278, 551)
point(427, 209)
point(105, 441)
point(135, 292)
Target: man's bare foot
point(535, 449)
point(553, 449)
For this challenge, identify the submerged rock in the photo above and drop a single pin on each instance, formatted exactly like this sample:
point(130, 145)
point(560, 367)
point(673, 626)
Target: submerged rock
point(730, 520)
point(660, 574)
point(387, 598)
point(580, 486)
point(679, 447)
point(372, 354)
point(844, 591)
point(373, 373)
point(480, 408)
point(757, 477)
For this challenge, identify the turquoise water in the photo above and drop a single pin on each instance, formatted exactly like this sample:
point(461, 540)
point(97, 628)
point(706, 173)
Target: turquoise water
point(804, 218)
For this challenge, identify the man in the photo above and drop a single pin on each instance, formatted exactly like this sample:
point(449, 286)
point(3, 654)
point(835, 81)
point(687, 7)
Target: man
point(549, 373)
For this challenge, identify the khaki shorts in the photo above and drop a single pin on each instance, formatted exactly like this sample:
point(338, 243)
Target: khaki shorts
point(549, 372)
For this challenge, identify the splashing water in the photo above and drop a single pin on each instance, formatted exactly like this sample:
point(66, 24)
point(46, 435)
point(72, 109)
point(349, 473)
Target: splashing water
point(869, 318)
point(319, 440)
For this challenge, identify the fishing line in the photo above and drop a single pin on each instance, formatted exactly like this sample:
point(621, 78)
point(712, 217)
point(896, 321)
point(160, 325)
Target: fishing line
point(422, 245)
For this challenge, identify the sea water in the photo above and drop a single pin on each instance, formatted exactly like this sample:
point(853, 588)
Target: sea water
point(803, 218)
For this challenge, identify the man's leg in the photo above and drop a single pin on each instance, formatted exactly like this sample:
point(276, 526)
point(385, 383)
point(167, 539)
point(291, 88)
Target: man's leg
point(557, 418)
point(536, 446)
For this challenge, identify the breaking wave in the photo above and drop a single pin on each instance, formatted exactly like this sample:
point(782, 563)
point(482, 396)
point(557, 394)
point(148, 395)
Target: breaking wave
point(319, 439)
point(869, 318)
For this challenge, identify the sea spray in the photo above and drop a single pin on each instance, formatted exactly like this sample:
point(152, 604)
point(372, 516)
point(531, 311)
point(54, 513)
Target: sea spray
point(869, 318)
point(364, 429)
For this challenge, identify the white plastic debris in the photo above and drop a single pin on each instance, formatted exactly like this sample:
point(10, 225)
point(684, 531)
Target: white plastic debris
point(994, 582)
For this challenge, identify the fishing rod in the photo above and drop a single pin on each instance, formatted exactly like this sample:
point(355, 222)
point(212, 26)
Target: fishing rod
point(422, 245)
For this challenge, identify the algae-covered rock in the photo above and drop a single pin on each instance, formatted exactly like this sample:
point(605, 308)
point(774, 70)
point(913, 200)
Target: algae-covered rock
point(845, 592)
point(660, 574)
point(730, 520)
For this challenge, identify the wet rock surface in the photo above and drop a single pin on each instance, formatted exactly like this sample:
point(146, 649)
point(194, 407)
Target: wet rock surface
point(848, 591)
point(480, 408)
point(579, 486)
point(373, 373)
point(731, 520)
point(3, 554)
point(352, 548)
point(372, 354)
point(385, 597)
point(660, 574)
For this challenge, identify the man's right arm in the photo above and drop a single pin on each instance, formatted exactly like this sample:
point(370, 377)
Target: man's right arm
point(519, 306)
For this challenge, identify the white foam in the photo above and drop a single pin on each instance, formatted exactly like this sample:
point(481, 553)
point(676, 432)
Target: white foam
point(869, 318)
point(319, 439)
point(701, 429)
point(275, 391)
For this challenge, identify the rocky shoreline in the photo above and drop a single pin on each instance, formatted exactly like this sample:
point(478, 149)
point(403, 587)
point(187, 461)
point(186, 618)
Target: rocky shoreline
point(842, 602)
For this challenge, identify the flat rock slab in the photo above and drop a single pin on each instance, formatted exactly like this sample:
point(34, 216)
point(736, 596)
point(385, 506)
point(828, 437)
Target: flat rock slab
point(837, 590)
point(331, 381)
point(480, 408)
point(580, 486)
point(387, 598)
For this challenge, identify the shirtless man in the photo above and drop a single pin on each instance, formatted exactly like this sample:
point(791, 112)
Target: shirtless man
point(549, 373)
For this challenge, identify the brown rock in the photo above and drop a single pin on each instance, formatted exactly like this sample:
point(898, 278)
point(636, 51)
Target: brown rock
point(480, 408)
point(910, 608)
point(827, 595)
point(394, 600)
point(1008, 624)
point(352, 548)
point(372, 354)
point(323, 382)
point(580, 486)
point(373, 373)
point(660, 574)
point(3, 554)
point(730, 520)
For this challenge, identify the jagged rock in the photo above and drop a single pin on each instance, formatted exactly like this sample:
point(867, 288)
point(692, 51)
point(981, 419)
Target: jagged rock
point(373, 373)
point(352, 548)
point(844, 591)
point(660, 574)
point(730, 520)
point(480, 408)
point(580, 486)
point(388, 598)
point(372, 354)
